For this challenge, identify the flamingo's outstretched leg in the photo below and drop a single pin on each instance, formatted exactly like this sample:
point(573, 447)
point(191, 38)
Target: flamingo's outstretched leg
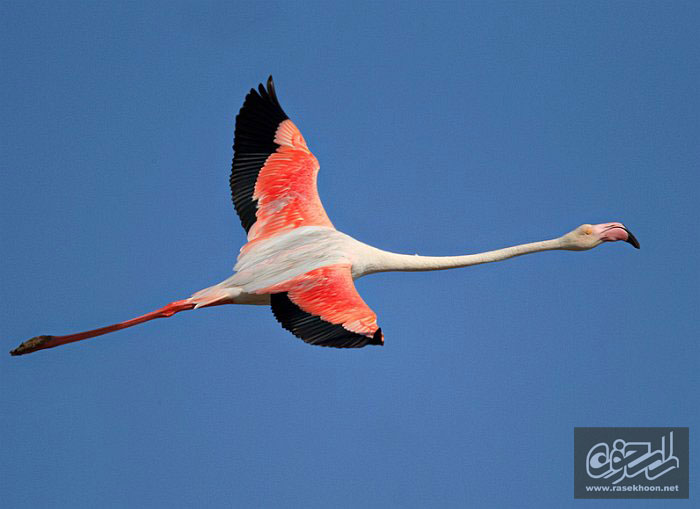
point(42, 342)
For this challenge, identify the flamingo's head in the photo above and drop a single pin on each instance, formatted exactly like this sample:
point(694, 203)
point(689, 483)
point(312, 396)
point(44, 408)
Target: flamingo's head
point(588, 236)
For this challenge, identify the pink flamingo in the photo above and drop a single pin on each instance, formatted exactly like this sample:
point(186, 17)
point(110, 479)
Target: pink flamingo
point(295, 260)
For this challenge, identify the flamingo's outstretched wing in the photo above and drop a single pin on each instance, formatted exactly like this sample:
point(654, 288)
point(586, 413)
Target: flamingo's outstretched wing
point(323, 308)
point(273, 177)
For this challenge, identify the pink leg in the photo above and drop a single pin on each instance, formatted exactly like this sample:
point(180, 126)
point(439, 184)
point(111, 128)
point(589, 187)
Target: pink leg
point(42, 342)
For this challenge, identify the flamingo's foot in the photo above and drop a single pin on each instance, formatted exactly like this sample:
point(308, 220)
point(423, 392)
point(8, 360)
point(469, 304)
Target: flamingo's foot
point(31, 345)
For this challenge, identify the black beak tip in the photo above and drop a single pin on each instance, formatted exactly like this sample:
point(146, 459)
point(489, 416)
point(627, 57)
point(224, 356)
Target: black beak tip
point(631, 239)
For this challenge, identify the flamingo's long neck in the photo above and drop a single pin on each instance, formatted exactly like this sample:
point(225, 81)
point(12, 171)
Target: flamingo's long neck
point(384, 261)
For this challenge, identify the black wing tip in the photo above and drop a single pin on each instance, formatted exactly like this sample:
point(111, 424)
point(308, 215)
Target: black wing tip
point(265, 92)
point(377, 339)
point(262, 102)
point(256, 124)
point(271, 89)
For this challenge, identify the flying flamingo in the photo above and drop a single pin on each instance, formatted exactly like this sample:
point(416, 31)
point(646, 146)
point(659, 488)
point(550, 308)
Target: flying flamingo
point(295, 260)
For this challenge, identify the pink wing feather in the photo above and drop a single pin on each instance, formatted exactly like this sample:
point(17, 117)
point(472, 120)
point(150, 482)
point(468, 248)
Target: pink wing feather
point(323, 307)
point(286, 187)
point(273, 176)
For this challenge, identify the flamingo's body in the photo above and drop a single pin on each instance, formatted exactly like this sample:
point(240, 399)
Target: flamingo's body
point(295, 260)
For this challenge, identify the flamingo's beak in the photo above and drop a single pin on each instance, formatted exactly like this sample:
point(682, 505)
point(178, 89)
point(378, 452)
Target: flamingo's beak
point(612, 232)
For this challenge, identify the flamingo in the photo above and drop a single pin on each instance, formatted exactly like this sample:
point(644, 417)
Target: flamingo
point(295, 260)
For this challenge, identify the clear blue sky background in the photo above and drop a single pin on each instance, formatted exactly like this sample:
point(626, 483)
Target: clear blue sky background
point(441, 128)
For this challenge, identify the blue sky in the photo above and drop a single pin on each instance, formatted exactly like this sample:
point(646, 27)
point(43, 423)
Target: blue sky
point(441, 128)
